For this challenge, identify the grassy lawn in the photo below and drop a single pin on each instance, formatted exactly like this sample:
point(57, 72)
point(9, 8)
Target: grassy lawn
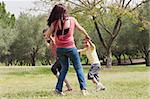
point(122, 82)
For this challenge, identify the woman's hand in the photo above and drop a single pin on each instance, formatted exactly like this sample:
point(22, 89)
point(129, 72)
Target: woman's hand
point(87, 37)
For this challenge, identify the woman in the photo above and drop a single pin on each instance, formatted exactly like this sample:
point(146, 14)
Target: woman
point(56, 67)
point(62, 26)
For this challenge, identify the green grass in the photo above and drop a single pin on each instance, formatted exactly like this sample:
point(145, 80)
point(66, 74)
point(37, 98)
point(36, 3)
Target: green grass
point(122, 82)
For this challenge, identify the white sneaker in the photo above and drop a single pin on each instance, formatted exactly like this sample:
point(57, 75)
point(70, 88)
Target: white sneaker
point(59, 93)
point(84, 92)
point(99, 87)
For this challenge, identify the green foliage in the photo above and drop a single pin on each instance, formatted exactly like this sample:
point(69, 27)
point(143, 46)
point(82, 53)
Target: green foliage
point(7, 37)
point(21, 39)
point(87, 25)
point(7, 32)
point(30, 38)
point(6, 19)
point(134, 38)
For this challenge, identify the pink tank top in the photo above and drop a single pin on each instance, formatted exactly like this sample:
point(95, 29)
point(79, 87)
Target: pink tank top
point(66, 40)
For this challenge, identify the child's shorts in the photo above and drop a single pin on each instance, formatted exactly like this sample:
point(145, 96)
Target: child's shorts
point(94, 72)
point(56, 67)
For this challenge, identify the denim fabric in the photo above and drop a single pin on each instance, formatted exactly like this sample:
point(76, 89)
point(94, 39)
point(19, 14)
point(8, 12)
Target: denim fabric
point(66, 54)
point(94, 72)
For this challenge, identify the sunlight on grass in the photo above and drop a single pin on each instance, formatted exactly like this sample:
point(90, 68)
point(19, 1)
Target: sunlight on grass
point(122, 82)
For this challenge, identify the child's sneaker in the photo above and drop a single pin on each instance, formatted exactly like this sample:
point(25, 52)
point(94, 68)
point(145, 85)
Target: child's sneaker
point(69, 89)
point(59, 92)
point(84, 92)
point(99, 87)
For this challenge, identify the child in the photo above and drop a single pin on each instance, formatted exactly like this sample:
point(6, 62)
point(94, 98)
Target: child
point(56, 67)
point(90, 51)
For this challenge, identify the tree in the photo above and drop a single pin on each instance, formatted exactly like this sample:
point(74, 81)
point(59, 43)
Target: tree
point(145, 20)
point(7, 33)
point(140, 31)
point(134, 39)
point(6, 19)
point(29, 43)
point(109, 17)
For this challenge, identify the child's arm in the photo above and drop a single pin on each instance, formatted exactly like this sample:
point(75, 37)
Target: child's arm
point(82, 51)
point(48, 45)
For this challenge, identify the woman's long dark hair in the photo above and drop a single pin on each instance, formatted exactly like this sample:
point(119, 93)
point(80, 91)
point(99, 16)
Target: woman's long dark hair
point(58, 12)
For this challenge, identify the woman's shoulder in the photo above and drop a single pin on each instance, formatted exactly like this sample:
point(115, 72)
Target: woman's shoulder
point(72, 18)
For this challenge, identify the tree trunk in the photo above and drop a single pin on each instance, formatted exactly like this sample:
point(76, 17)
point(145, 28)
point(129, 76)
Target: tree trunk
point(86, 61)
point(109, 58)
point(119, 60)
point(124, 58)
point(148, 53)
point(33, 60)
point(118, 57)
point(130, 60)
point(147, 59)
point(33, 55)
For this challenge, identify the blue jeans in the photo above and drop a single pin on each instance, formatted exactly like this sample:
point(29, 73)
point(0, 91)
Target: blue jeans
point(66, 54)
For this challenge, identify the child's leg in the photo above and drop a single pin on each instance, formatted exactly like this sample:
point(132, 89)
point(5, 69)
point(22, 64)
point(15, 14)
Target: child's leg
point(95, 81)
point(94, 69)
point(94, 76)
point(67, 84)
point(99, 85)
point(56, 69)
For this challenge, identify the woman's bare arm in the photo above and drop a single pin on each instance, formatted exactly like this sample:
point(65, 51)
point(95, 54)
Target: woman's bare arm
point(80, 28)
